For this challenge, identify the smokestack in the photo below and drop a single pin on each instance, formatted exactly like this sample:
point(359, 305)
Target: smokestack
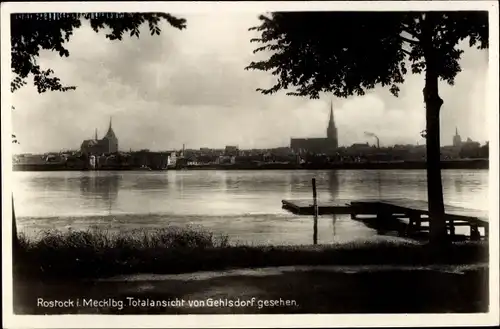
point(369, 134)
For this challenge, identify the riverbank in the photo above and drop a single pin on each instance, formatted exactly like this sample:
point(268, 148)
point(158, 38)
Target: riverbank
point(96, 272)
point(482, 164)
point(96, 253)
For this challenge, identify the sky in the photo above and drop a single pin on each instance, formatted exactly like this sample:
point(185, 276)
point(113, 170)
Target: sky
point(190, 87)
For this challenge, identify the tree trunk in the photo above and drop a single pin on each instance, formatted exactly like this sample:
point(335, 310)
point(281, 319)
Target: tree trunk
point(433, 105)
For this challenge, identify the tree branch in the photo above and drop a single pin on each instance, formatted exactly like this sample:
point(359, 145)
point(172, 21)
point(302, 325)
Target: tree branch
point(410, 31)
point(406, 52)
point(413, 42)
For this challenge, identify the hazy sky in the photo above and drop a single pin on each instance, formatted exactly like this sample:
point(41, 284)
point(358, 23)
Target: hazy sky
point(190, 87)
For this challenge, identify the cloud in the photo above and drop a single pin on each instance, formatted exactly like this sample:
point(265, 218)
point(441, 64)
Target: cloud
point(190, 87)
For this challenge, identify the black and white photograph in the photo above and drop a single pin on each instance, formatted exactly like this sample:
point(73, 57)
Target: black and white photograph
point(239, 158)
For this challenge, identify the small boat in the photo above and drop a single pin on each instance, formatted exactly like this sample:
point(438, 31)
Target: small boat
point(143, 167)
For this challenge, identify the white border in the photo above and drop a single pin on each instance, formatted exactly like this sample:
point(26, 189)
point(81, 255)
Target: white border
point(354, 320)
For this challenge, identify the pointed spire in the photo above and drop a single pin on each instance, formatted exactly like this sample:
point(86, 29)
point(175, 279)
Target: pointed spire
point(456, 131)
point(95, 137)
point(110, 133)
point(331, 130)
point(331, 110)
point(331, 122)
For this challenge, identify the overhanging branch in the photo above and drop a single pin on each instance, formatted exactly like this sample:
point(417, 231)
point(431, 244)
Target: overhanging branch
point(410, 31)
point(413, 42)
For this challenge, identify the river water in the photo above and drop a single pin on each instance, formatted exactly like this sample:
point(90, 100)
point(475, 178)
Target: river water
point(245, 205)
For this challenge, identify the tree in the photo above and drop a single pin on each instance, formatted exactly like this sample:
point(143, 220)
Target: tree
point(31, 33)
point(485, 151)
point(348, 53)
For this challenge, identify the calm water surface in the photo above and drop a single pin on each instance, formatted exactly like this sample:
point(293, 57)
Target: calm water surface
point(246, 205)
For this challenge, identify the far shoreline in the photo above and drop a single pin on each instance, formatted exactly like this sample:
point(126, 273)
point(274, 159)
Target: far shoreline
point(476, 164)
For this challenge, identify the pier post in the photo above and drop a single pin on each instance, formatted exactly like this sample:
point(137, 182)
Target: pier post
point(414, 223)
point(474, 233)
point(452, 227)
point(315, 210)
point(418, 221)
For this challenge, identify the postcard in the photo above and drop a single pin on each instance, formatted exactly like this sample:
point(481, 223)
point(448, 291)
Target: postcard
point(250, 164)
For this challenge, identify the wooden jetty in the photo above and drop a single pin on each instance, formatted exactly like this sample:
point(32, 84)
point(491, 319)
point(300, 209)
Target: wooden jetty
point(305, 207)
point(410, 213)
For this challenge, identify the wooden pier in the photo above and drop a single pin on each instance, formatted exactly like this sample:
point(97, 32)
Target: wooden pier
point(407, 214)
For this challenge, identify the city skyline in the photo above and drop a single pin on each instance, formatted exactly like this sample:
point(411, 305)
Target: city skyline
point(190, 87)
point(371, 140)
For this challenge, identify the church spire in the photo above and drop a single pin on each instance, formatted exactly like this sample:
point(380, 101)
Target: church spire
point(110, 133)
point(456, 131)
point(331, 131)
point(95, 137)
point(331, 123)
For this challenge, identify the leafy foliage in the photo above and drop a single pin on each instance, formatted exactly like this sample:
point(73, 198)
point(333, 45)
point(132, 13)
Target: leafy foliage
point(31, 33)
point(347, 53)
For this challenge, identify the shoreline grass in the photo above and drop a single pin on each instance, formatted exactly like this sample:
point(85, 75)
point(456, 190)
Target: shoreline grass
point(96, 253)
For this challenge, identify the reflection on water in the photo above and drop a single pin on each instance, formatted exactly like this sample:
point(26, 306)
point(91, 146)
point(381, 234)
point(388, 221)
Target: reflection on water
point(101, 188)
point(458, 186)
point(379, 185)
point(246, 205)
point(333, 184)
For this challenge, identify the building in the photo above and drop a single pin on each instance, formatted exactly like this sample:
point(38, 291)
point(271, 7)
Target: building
point(318, 145)
point(108, 144)
point(231, 150)
point(459, 143)
point(470, 143)
point(457, 140)
point(172, 159)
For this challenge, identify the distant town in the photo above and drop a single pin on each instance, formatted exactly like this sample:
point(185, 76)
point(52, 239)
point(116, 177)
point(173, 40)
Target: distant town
point(302, 153)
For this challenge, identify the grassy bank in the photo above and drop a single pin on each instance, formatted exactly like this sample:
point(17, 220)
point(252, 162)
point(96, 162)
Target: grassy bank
point(98, 253)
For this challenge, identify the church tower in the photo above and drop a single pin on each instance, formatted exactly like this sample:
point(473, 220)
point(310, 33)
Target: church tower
point(457, 140)
point(331, 131)
point(111, 139)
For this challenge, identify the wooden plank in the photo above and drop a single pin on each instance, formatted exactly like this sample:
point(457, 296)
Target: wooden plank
point(452, 212)
point(423, 206)
point(341, 210)
point(306, 207)
point(397, 206)
point(426, 220)
point(291, 204)
point(304, 203)
point(449, 209)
